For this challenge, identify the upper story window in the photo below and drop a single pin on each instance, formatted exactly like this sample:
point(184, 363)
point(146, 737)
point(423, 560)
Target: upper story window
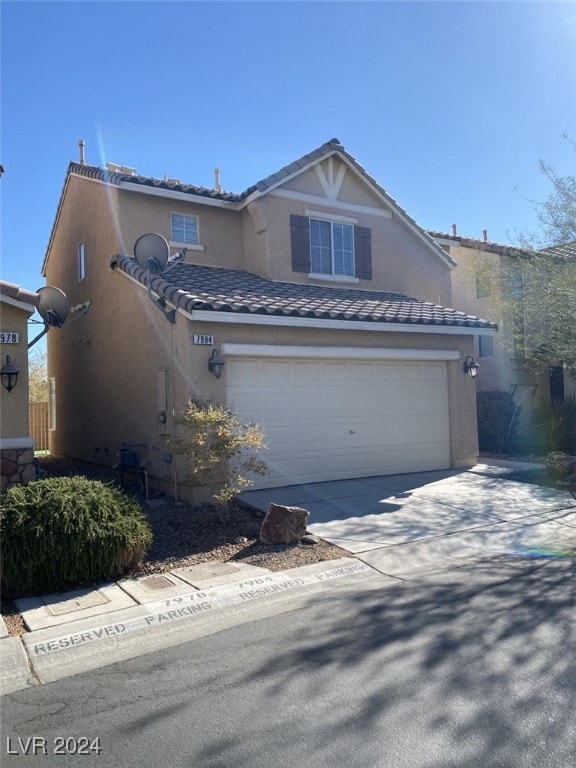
point(331, 248)
point(184, 229)
point(483, 287)
point(81, 261)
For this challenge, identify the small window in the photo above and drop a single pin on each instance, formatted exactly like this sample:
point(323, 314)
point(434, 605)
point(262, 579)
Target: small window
point(184, 229)
point(486, 346)
point(482, 286)
point(81, 261)
point(331, 248)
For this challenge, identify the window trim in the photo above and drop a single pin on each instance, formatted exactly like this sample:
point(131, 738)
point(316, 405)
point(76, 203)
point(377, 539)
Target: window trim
point(81, 260)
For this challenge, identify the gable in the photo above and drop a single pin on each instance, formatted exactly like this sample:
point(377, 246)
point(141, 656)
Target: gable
point(333, 181)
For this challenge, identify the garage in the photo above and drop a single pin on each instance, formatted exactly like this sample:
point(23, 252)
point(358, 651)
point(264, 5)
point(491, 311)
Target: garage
point(337, 413)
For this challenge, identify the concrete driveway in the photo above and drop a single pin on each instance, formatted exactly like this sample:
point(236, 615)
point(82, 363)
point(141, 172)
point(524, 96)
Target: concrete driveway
point(403, 523)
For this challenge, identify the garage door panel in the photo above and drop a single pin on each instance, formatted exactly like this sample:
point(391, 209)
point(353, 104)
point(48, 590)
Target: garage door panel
point(334, 419)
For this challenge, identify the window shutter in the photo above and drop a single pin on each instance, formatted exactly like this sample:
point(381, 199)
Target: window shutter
point(300, 234)
point(363, 252)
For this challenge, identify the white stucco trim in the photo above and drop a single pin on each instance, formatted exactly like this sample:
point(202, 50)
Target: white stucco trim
point(323, 353)
point(23, 305)
point(326, 215)
point(239, 318)
point(350, 279)
point(337, 204)
point(16, 443)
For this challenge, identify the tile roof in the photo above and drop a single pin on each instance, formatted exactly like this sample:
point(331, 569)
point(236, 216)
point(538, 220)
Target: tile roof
point(563, 250)
point(195, 287)
point(481, 245)
point(126, 176)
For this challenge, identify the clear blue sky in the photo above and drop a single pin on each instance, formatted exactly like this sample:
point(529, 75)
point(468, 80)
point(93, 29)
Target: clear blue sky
point(448, 105)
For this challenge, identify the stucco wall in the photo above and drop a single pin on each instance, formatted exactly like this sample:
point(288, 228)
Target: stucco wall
point(16, 445)
point(14, 404)
point(401, 263)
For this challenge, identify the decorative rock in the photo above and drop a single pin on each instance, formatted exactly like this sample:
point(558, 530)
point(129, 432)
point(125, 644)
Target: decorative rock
point(283, 525)
point(560, 465)
point(240, 540)
point(310, 539)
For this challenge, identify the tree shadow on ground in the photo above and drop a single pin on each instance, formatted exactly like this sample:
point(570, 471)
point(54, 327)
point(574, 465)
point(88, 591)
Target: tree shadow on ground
point(467, 668)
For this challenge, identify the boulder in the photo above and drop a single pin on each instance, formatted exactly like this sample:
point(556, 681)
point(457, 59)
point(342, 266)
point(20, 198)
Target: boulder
point(283, 525)
point(560, 465)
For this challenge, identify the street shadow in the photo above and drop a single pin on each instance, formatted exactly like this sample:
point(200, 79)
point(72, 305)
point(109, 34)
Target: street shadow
point(477, 662)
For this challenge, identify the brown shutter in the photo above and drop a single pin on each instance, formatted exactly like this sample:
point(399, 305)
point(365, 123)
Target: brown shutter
point(363, 252)
point(300, 233)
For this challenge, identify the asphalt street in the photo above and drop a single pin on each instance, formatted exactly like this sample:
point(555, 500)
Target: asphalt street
point(471, 667)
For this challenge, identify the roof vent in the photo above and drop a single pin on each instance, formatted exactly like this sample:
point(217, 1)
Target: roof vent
point(454, 230)
point(485, 235)
point(171, 181)
point(217, 184)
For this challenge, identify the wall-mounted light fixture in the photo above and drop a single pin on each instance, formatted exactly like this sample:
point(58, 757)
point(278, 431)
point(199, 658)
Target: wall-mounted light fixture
point(471, 366)
point(9, 374)
point(216, 364)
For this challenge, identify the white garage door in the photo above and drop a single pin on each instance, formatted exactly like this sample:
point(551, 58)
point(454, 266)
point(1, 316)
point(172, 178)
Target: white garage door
point(335, 419)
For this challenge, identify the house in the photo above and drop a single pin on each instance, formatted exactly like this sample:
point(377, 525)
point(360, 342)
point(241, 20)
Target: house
point(16, 445)
point(327, 303)
point(488, 275)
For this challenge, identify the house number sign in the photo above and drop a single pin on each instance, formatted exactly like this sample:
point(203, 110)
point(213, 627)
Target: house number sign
point(9, 337)
point(203, 338)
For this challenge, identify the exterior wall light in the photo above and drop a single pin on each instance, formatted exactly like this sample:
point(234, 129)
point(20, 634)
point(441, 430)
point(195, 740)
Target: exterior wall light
point(9, 374)
point(471, 366)
point(216, 364)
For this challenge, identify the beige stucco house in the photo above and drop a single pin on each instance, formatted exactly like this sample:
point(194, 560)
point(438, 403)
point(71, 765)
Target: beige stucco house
point(328, 303)
point(16, 444)
point(486, 272)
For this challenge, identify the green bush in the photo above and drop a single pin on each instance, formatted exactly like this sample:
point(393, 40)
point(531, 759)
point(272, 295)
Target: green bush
point(497, 422)
point(555, 425)
point(61, 532)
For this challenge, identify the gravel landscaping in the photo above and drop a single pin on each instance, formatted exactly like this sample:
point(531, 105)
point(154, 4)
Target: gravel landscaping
point(185, 534)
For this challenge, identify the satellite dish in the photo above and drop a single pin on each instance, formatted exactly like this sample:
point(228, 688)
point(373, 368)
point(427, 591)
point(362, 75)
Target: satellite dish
point(151, 252)
point(53, 306)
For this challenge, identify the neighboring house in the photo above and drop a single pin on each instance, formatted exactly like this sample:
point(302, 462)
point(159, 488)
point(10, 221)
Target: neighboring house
point(484, 270)
point(16, 445)
point(327, 302)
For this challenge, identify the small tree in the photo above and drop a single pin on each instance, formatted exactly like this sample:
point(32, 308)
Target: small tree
point(220, 449)
point(38, 376)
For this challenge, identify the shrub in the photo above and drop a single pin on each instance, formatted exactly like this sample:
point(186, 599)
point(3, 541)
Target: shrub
point(220, 449)
point(67, 531)
point(555, 425)
point(497, 422)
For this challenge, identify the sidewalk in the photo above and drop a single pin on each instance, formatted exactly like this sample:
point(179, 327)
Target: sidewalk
point(396, 528)
point(87, 629)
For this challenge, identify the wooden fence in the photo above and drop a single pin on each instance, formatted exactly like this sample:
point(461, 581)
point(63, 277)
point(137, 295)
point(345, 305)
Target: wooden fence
point(38, 414)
